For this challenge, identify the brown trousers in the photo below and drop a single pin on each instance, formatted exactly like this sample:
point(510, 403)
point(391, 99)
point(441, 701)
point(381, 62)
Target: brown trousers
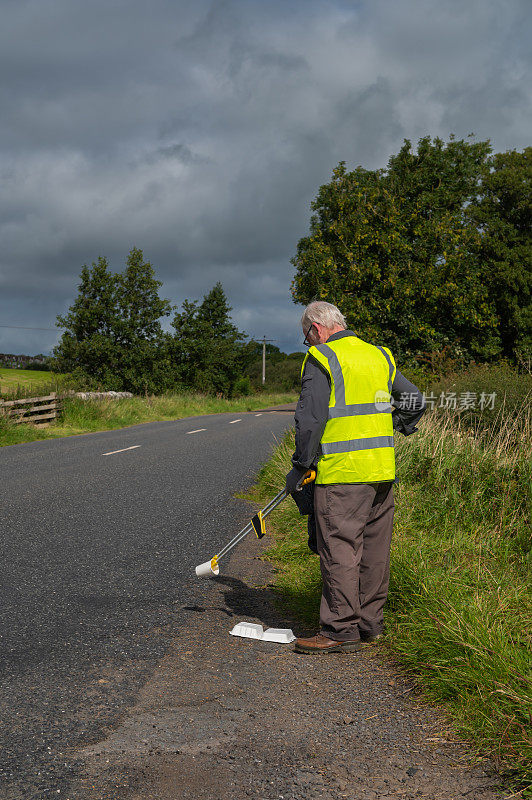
point(354, 531)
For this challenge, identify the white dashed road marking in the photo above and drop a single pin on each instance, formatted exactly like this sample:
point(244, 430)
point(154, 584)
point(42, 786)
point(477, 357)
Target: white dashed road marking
point(122, 451)
point(198, 430)
point(259, 415)
point(234, 420)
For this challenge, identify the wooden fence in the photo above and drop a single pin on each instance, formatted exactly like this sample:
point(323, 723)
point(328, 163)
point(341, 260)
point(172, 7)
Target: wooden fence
point(38, 410)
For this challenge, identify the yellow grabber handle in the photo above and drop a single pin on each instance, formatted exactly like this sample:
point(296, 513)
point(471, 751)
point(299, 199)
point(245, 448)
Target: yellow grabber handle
point(308, 477)
point(257, 523)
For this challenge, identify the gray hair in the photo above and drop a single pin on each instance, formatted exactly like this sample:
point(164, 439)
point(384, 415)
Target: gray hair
point(324, 314)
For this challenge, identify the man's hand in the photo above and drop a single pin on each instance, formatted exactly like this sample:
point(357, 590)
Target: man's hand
point(294, 477)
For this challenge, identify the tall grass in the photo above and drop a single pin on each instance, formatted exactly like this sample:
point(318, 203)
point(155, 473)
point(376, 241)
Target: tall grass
point(459, 612)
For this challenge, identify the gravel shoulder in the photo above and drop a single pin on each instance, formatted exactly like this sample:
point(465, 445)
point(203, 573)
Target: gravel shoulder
point(228, 717)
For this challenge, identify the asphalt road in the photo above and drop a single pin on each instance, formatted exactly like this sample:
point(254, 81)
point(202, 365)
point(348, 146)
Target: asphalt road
point(98, 567)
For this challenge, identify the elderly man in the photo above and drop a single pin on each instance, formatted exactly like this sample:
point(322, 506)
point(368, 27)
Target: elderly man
point(345, 420)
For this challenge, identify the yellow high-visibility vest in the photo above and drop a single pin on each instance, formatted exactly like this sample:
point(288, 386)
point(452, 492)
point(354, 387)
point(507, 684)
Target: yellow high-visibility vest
point(357, 445)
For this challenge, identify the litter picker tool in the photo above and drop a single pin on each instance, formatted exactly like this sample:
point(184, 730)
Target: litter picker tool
point(210, 568)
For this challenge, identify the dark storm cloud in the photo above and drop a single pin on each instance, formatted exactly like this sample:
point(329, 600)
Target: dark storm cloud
point(201, 132)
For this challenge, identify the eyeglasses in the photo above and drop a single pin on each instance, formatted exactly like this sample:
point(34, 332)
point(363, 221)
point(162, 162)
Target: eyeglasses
point(305, 340)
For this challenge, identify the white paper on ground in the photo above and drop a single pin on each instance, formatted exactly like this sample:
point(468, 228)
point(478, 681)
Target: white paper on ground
point(252, 630)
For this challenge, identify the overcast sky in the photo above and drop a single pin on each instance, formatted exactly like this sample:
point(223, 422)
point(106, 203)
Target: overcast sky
point(201, 131)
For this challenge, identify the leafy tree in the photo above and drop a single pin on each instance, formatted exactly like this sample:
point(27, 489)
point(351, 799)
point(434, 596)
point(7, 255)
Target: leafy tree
point(448, 302)
point(113, 338)
point(401, 253)
point(144, 361)
point(355, 254)
point(87, 348)
point(207, 346)
point(503, 214)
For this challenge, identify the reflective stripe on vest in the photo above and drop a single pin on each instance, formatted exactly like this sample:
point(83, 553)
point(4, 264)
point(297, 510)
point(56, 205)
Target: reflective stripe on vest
point(360, 408)
point(390, 364)
point(337, 374)
point(357, 443)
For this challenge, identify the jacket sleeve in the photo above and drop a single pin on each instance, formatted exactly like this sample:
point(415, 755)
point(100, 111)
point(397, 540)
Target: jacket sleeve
point(311, 414)
point(409, 405)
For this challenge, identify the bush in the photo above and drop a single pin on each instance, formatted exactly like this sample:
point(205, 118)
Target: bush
point(510, 389)
point(242, 387)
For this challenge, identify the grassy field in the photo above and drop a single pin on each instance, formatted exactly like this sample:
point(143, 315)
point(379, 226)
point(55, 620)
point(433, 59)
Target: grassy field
point(88, 416)
point(12, 380)
point(459, 612)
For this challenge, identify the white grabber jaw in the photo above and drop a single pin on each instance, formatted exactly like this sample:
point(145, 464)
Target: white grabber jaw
point(208, 569)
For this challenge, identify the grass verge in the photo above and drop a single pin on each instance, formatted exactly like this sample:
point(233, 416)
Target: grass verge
point(89, 416)
point(460, 606)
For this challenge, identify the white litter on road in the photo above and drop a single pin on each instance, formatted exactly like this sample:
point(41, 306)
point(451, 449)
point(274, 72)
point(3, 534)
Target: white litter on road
point(112, 453)
point(282, 635)
point(199, 430)
point(251, 630)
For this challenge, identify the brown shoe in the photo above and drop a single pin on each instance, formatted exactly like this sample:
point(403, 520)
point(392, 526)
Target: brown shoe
point(321, 644)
